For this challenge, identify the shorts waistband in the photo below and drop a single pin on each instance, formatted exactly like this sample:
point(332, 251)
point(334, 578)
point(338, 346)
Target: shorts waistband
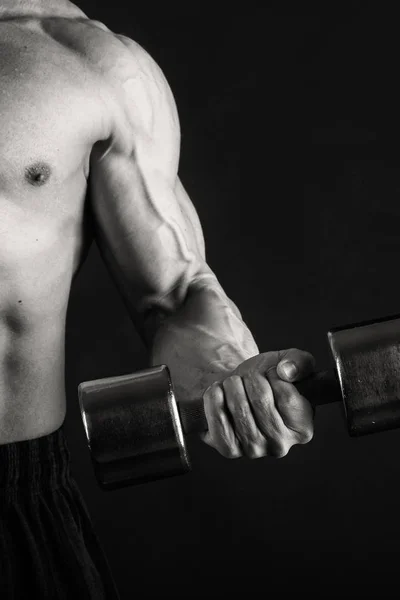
point(33, 465)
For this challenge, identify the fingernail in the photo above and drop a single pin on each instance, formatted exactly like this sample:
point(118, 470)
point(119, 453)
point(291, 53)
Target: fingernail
point(289, 369)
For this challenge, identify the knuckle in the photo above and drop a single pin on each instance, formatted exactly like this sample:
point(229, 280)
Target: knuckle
point(230, 452)
point(255, 450)
point(298, 353)
point(232, 381)
point(214, 396)
point(305, 436)
point(224, 440)
point(270, 369)
point(279, 449)
point(287, 354)
point(292, 350)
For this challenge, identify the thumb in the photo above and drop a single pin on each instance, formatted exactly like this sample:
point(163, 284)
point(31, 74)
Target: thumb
point(295, 365)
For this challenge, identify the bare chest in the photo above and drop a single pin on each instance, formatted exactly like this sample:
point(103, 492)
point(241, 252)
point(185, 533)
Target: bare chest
point(50, 117)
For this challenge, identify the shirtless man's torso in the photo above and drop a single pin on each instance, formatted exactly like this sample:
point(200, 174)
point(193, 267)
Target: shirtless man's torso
point(56, 104)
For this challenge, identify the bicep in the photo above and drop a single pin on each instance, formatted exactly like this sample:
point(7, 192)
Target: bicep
point(147, 230)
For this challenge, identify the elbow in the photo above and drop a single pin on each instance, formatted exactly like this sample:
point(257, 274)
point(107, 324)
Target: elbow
point(169, 301)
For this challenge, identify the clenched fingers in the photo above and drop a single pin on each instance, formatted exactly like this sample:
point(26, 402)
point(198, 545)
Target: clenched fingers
point(243, 419)
point(261, 398)
point(295, 410)
point(251, 439)
point(220, 434)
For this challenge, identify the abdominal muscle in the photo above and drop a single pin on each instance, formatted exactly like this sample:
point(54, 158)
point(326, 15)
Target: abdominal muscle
point(35, 279)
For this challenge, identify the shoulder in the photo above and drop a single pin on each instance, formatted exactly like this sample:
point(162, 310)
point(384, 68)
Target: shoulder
point(141, 105)
point(130, 79)
point(118, 59)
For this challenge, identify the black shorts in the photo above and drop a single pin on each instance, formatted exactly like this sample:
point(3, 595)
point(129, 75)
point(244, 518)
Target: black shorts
point(48, 547)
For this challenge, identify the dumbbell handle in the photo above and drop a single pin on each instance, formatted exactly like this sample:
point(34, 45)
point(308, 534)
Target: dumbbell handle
point(320, 388)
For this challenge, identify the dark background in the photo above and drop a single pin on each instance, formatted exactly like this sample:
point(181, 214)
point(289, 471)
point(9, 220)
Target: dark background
point(290, 154)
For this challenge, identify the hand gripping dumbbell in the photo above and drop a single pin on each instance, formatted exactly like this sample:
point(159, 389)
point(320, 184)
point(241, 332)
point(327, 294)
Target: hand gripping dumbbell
point(136, 428)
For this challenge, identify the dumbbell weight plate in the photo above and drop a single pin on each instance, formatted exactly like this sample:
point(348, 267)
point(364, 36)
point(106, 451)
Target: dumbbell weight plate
point(133, 428)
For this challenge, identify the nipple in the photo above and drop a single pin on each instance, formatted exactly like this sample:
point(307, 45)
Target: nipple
point(37, 174)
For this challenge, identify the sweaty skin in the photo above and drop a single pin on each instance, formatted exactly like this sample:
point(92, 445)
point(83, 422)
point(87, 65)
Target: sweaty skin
point(88, 123)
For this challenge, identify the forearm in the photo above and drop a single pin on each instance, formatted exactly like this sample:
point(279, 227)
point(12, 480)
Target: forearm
point(202, 340)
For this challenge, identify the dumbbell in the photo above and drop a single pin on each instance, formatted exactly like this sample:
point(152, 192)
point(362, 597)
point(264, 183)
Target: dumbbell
point(136, 429)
